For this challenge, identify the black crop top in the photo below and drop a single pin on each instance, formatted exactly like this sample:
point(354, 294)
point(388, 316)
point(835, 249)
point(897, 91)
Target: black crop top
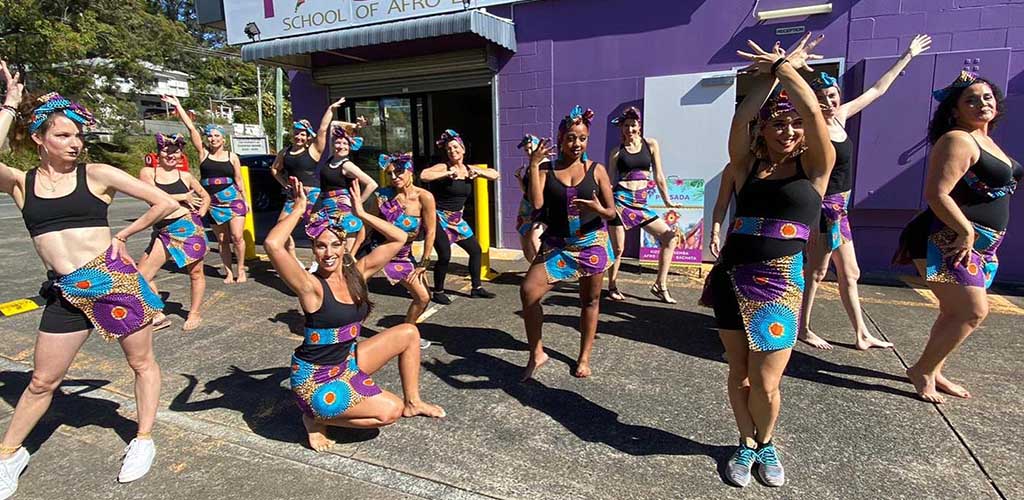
point(641, 160)
point(176, 187)
point(983, 193)
point(301, 166)
point(332, 314)
point(451, 194)
point(792, 198)
point(841, 178)
point(334, 178)
point(211, 168)
point(80, 208)
point(556, 203)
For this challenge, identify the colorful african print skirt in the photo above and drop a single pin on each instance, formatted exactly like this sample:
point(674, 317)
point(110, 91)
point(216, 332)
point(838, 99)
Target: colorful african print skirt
point(401, 265)
point(312, 195)
point(226, 203)
point(835, 220)
point(453, 225)
point(769, 295)
point(569, 259)
point(111, 293)
point(527, 217)
point(184, 239)
point(981, 269)
point(632, 206)
point(334, 204)
point(327, 391)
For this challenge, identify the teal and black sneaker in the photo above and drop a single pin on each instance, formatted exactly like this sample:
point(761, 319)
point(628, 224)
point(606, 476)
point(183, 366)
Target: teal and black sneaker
point(737, 470)
point(770, 466)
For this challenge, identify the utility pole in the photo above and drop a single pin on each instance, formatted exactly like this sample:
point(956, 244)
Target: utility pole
point(278, 107)
point(259, 98)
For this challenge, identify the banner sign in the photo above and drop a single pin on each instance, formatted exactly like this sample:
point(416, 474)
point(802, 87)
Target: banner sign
point(687, 215)
point(255, 20)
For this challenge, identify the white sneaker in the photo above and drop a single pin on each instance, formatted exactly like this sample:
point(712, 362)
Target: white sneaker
point(10, 469)
point(138, 457)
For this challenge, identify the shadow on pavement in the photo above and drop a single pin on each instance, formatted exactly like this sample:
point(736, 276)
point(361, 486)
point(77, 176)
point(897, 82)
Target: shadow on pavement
point(73, 409)
point(265, 405)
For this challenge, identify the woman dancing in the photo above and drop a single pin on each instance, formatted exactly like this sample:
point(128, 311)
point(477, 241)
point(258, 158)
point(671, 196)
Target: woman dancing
point(632, 165)
point(91, 282)
point(299, 160)
point(953, 243)
point(778, 178)
point(336, 176)
point(451, 183)
point(181, 235)
point(330, 372)
point(576, 197)
point(529, 221)
point(220, 174)
point(834, 239)
point(410, 208)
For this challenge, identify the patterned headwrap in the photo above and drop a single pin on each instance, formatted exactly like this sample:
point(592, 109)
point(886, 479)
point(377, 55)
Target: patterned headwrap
point(447, 136)
point(529, 139)
point(53, 103)
point(965, 79)
point(165, 141)
point(323, 220)
point(576, 116)
point(401, 162)
point(304, 126)
point(824, 81)
point(630, 113)
point(354, 143)
point(777, 104)
point(210, 127)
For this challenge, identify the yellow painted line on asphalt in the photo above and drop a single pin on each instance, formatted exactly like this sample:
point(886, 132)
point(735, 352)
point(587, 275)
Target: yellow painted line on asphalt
point(918, 285)
point(1000, 304)
point(996, 303)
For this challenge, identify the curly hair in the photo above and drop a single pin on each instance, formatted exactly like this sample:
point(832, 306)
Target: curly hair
point(943, 120)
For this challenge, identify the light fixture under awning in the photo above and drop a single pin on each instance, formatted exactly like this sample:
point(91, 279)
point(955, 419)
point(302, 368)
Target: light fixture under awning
point(492, 28)
point(807, 10)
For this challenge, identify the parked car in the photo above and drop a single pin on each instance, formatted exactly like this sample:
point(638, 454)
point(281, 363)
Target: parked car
point(267, 193)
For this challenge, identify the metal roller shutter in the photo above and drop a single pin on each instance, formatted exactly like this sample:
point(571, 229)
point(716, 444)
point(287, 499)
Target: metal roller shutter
point(449, 70)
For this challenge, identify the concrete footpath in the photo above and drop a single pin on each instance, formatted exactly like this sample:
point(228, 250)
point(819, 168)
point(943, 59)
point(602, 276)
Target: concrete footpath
point(653, 421)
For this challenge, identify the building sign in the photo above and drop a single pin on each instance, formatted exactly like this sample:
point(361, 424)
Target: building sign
point(255, 20)
point(249, 145)
point(687, 215)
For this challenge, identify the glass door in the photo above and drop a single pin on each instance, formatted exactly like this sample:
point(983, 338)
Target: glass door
point(394, 125)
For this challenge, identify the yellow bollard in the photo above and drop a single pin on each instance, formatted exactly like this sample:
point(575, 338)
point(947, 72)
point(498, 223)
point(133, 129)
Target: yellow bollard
point(249, 231)
point(483, 226)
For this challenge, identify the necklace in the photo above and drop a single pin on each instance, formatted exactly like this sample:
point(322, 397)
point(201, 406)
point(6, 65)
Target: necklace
point(53, 183)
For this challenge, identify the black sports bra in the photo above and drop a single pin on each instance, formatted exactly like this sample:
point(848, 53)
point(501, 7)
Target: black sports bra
point(176, 187)
point(628, 162)
point(80, 208)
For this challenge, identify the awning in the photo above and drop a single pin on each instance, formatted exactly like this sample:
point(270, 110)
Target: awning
point(495, 29)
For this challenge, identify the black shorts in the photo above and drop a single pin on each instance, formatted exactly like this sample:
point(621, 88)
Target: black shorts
point(727, 308)
point(61, 316)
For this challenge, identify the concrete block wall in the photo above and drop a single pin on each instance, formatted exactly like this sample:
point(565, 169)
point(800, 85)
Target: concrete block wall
point(525, 97)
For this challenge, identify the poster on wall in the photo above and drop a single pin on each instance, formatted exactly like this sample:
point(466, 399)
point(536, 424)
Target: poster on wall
point(687, 215)
point(257, 20)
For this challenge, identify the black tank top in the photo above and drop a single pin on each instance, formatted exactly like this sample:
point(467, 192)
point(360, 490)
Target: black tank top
point(211, 169)
point(978, 206)
point(841, 179)
point(80, 208)
point(641, 160)
point(792, 198)
point(301, 166)
point(176, 187)
point(332, 314)
point(556, 203)
point(451, 194)
point(333, 178)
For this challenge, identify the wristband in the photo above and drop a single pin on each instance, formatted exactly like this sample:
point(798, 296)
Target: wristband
point(10, 108)
point(777, 64)
point(121, 239)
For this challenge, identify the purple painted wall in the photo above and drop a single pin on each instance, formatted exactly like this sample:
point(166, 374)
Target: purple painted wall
point(594, 53)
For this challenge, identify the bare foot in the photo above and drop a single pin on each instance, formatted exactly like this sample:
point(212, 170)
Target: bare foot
point(193, 322)
point(953, 389)
point(808, 337)
point(867, 341)
point(925, 386)
point(229, 277)
point(582, 369)
point(421, 408)
point(318, 439)
point(242, 278)
point(532, 366)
